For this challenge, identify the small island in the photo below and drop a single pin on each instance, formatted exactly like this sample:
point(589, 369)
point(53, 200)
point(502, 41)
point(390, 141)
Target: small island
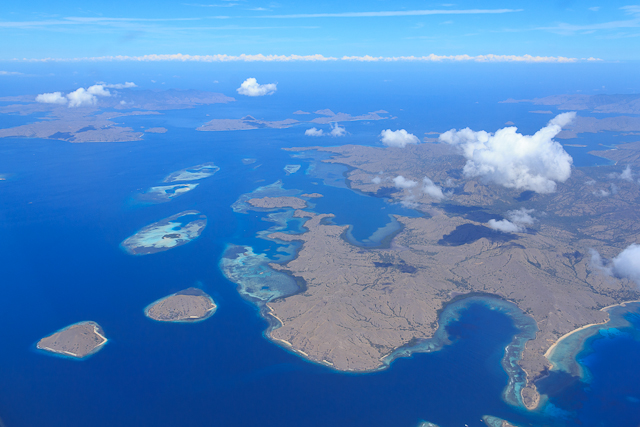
point(156, 130)
point(168, 233)
point(312, 195)
point(78, 340)
point(278, 202)
point(193, 173)
point(190, 305)
point(165, 193)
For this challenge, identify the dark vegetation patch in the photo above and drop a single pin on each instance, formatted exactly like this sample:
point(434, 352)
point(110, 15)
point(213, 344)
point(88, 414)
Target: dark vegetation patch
point(574, 256)
point(469, 233)
point(84, 129)
point(401, 266)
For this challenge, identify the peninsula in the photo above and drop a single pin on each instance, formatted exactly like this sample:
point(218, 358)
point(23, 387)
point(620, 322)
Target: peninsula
point(78, 340)
point(189, 305)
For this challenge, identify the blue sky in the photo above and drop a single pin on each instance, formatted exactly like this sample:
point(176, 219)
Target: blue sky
point(562, 28)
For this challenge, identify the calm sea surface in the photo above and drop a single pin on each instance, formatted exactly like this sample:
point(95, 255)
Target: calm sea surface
point(67, 207)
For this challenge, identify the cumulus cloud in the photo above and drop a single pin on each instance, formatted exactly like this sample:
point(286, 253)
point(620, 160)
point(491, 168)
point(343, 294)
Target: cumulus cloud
point(251, 87)
point(521, 216)
point(337, 130)
point(81, 97)
point(625, 265)
point(505, 226)
point(516, 222)
point(398, 138)
point(98, 90)
point(78, 98)
point(313, 132)
point(401, 182)
point(529, 162)
point(432, 190)
point(51, 98)
point(376, 180)
point(626, 175)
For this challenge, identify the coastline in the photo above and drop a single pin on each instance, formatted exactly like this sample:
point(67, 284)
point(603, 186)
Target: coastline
point(564, 352)
point(210, 312)
point(68, 355)
point(449, 313)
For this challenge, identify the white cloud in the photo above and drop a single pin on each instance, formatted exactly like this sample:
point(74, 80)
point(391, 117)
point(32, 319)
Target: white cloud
point(627, 174)
point(125, 85)
point(462, 58)
point(313, 132)
point(530, 162)
point(401, 182)
point(251, 87)
point(337, 130)
point(398, 138)
point(98, 90)
point(505, 226)
point(521, 216)
point(431, 189)
point(51, 98)
point(594, 8)
point(81, 97)
point(377, 180)
point(10, 73)
point(625, 265)
point(319, 58)
point(516, 223)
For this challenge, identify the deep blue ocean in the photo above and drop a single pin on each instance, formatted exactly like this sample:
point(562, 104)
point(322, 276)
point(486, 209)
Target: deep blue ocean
point(66, 208)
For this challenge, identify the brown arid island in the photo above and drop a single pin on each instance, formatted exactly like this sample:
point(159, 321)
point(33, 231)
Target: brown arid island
point(356, 307)
point(78, 340)
point(278, 202)
point(187, 306)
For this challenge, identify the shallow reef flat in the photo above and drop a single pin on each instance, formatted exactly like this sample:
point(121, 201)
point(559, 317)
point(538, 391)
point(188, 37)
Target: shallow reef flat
point(291, 169)
point(193, 173)
point(187, 306)
point(78, 340)
point(492, 421)
point(166, 234)
point(164, 193)
point(256, 280)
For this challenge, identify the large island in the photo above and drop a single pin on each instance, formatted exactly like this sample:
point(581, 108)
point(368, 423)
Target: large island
point(356, 307)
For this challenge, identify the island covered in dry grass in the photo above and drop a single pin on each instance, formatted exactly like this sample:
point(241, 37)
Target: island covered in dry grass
point(547, 248)
point(78, 340)
point(189, 305)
